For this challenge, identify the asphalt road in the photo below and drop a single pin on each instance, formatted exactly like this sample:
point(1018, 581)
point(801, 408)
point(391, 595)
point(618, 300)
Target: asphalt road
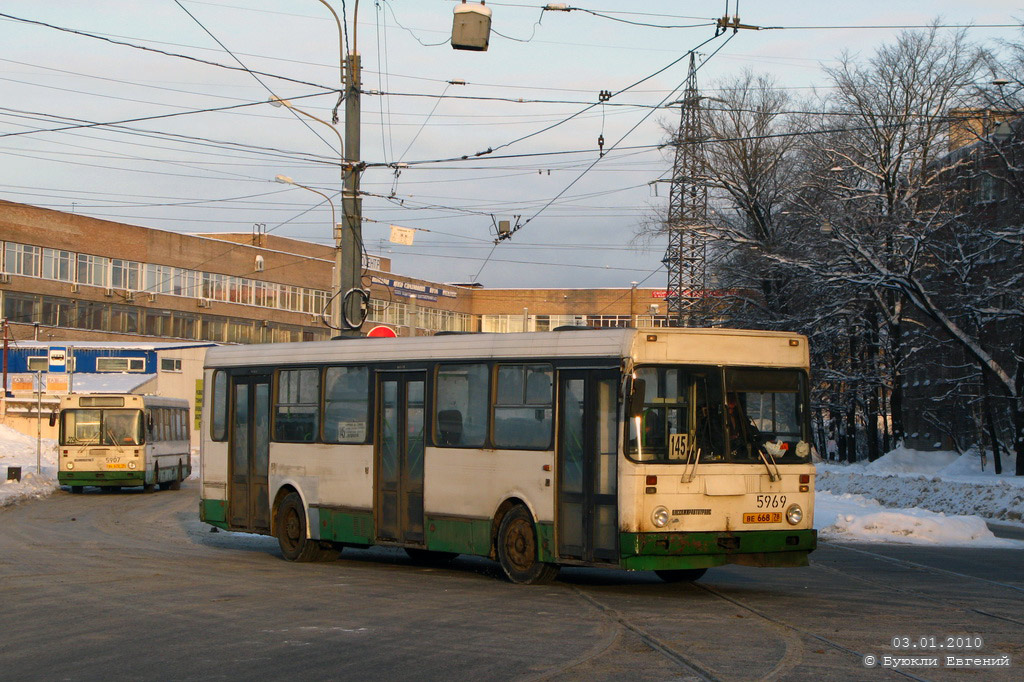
point(132, 586)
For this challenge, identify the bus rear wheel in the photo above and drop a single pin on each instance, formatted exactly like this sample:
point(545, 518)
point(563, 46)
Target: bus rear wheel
point(517, 550)
point(77, 489)
point(290, 528)
point(682, 575)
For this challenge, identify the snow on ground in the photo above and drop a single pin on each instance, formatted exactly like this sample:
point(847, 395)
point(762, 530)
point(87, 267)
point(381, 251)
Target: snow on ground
point(944, 482)
point(856, 518)
point(17, 449)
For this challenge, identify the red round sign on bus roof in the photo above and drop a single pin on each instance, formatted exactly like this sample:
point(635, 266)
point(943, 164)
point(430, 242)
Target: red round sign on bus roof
point(382, 332)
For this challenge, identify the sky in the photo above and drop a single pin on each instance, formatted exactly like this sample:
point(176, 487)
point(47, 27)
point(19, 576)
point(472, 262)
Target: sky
point(196, 146)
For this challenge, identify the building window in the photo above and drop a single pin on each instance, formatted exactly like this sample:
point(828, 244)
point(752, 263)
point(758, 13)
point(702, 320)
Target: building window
point(120, 364)
point(58, 312)
point(92, 270)
point(22, 259)
point(170, 364)
point(158, 323)
point(20, 307)
point(125, 274)
point(184, 325)
point(124, 320)
point(58, 265)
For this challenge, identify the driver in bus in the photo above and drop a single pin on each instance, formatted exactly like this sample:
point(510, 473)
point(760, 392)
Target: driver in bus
point(744, 436)
point(120, 428)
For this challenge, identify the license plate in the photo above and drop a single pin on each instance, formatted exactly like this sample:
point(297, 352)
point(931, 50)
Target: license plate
point(763, 517)
point(116, 465)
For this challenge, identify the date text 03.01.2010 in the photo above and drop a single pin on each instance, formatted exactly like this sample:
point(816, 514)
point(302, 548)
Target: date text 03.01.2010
point(933, 643)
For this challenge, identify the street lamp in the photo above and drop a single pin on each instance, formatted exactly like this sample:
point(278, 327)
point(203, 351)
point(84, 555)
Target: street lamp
point(336, 316)
point(279, 102)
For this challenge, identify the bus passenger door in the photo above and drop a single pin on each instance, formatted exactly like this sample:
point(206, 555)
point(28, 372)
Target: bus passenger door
point(249, 445)
point(587, 521)
point(399, 465)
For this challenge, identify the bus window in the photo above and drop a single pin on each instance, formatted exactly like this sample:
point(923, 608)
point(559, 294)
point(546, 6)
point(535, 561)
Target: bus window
point(297, 406)
point(522, 411)
point(81, 427)
point(682, 415)
point(346, 404)
point(102, 427)
point(763, 407)
point(122, 427)
point(219, 407)
point(462, 404)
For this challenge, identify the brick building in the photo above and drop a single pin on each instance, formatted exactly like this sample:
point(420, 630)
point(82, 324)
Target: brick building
point(71, 277)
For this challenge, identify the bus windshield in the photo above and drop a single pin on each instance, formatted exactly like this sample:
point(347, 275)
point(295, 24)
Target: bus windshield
point(735, 415)
point(101, 427)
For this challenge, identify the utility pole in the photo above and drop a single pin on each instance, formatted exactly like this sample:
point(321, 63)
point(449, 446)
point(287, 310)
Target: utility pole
point(348, 261)
point(686, 255)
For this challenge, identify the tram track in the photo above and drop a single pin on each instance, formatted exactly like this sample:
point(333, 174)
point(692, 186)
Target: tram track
point(915, 593)
point(925, 567)
point(655, 643)
point(806, 633)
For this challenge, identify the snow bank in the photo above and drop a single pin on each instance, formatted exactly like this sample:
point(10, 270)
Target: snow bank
point(17, 449)
point(938, 481)
point(857, 518)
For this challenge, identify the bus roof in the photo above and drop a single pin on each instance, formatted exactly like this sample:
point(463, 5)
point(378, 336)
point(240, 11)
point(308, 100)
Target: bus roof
point(597, 343)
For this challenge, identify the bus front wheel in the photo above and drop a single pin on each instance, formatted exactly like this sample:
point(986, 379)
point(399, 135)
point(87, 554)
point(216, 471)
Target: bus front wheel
point(517, 550)
point(290, 528)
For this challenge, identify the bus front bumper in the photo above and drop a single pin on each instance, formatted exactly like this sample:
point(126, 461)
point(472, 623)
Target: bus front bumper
point(668, 551)
point(102, 478)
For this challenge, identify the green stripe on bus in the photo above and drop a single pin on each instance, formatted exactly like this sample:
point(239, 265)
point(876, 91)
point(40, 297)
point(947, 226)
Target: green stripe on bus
point(649, 551)
point(459, 535)
point(214, 512)
point(346, 525)
point(125, 478)
point(546, 542)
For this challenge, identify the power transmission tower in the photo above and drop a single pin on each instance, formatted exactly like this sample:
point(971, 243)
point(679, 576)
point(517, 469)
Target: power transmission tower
point(685, 257)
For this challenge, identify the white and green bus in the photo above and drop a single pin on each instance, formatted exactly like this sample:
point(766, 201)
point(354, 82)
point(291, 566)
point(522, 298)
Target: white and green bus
point(672, 450)
point(115, 440)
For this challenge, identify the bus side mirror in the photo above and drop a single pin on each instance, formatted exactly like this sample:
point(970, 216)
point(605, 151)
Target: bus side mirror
point(635, 404)
point(53, 419)
point(149, 422)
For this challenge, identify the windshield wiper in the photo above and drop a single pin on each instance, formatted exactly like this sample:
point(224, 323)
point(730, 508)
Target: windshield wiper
point(765, 456)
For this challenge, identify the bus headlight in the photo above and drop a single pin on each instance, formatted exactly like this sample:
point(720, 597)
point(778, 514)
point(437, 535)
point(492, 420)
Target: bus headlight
point(131, 465)
point(794, 514)
point(71, 465)
point(660, 517)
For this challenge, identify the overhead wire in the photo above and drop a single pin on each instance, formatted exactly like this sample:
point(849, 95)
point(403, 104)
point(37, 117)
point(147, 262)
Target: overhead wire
point(199, 60)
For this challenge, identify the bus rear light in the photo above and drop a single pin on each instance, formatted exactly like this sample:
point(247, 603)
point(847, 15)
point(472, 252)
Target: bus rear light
point(805, 478)
point(71, 465)
point(652, 480)
point(65, 452)
point(804, 488)
point(131, 465)
point(651, 490)
point(546, 467)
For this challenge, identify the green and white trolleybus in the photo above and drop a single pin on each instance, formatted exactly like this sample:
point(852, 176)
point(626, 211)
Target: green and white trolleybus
point(115, 440)
point(672, 450)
